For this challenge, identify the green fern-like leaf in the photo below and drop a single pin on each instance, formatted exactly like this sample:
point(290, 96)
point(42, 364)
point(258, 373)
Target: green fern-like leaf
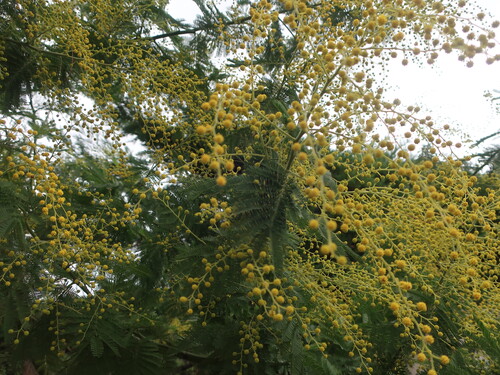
point(96, 346)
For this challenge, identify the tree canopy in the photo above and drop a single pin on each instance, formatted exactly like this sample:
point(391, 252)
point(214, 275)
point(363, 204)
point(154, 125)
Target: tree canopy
point(286, 215)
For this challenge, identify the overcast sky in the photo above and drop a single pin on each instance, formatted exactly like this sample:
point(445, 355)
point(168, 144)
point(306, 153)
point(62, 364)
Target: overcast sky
point(448, 91)
point(454, 93)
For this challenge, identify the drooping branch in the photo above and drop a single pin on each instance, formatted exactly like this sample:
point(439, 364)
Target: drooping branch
point(39, 50)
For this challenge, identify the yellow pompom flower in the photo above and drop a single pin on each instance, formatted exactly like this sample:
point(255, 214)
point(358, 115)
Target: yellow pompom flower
point(221, 181)
point(444, 360)
point(313, 224)
point(421, 306)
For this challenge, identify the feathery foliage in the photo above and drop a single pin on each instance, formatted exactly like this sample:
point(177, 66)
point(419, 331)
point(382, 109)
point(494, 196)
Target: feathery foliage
point(282, 218)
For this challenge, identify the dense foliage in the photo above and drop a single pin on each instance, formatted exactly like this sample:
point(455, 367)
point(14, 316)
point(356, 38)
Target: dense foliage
point(285, 214)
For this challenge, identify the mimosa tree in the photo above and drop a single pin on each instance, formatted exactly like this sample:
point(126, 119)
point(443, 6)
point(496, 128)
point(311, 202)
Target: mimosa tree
point(278, 221)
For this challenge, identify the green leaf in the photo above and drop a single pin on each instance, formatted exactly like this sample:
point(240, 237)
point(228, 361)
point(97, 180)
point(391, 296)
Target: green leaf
point(329, 368)
point(96, 346)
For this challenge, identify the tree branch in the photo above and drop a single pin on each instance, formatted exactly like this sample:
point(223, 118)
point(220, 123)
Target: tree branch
point(487, 137)
point(194, 30)
point(490, 158)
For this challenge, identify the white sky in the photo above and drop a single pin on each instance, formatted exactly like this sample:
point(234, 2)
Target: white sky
point(448, 91)
point(452, 92)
